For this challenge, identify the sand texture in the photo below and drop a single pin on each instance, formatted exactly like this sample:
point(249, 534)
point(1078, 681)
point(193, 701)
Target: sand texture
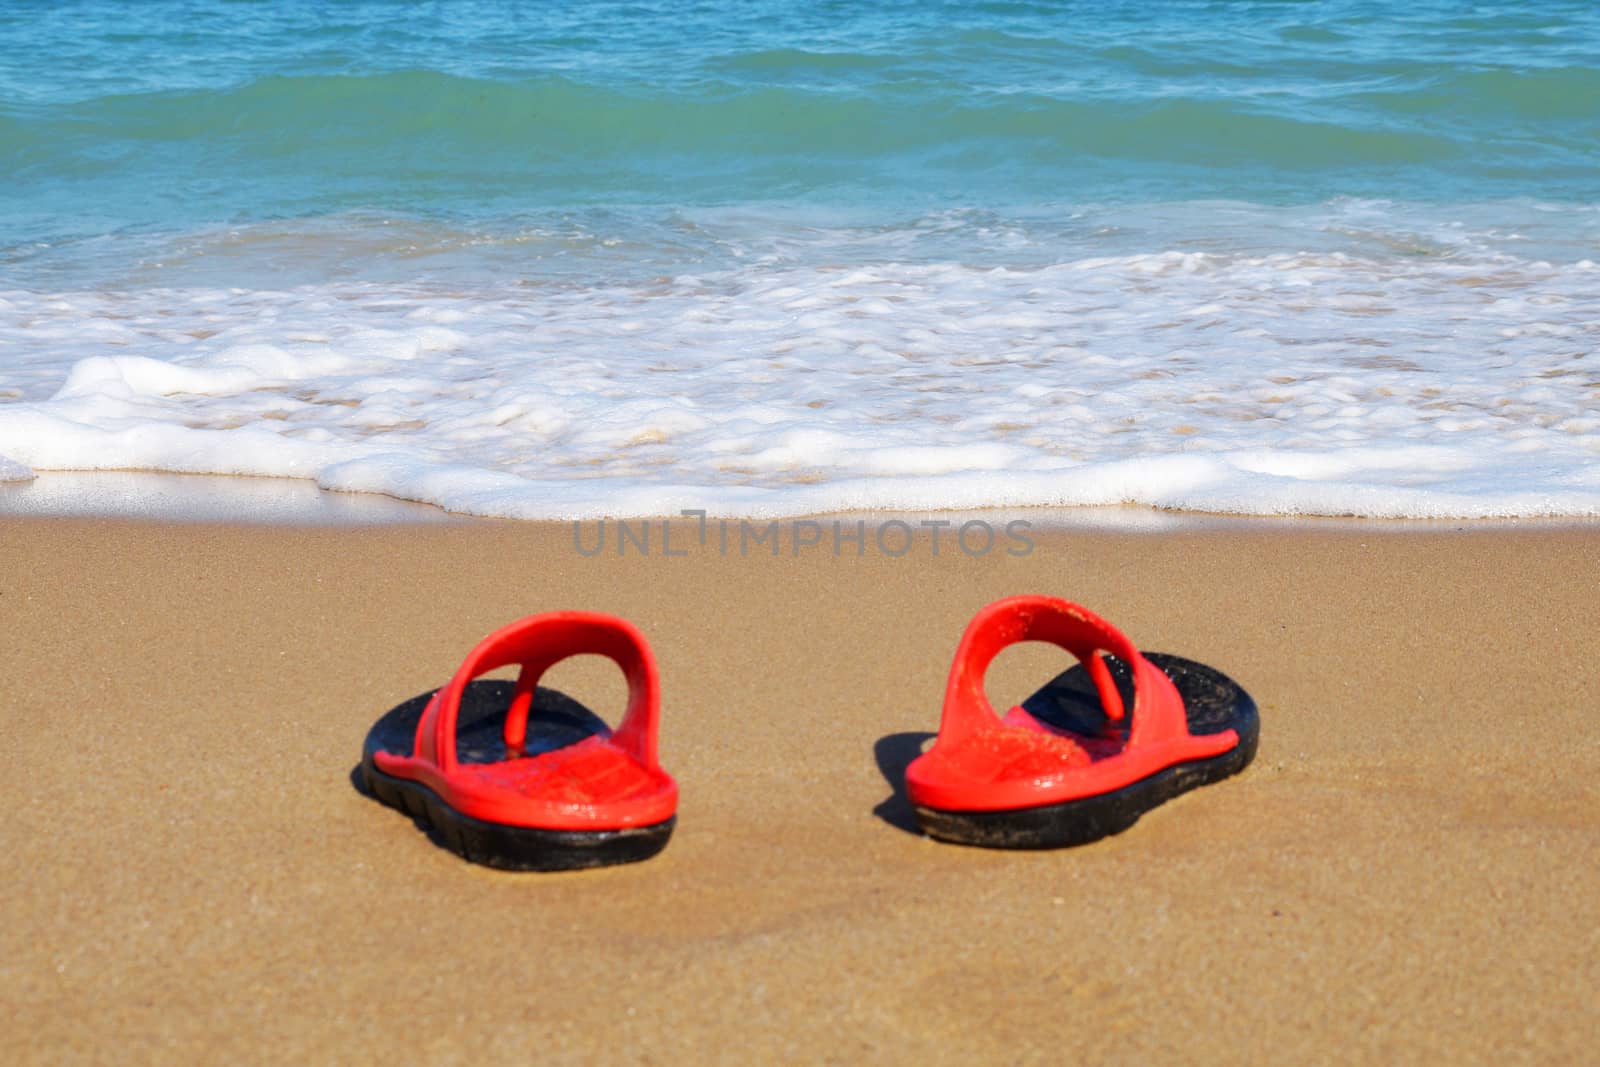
point(1410, 871)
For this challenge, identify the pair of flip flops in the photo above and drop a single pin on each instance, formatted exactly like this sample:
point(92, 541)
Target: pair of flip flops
point(522, 778)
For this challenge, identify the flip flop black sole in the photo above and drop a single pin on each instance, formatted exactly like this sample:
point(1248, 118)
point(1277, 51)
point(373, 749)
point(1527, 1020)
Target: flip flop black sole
point(1213, 702)
point(553, 722)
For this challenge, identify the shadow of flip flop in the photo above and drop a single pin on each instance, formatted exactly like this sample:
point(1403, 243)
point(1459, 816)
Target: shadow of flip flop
point(894, 753)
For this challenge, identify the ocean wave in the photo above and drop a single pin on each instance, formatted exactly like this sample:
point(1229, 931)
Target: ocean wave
point(533, 119)
point(422, 139)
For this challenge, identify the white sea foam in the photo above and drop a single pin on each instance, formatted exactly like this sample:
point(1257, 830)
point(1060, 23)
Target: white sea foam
point(12, 471)
point(1320, 382)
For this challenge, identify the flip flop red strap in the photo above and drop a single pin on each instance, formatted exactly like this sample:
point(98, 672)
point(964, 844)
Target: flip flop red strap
point(538, 643)
point(1158, 711)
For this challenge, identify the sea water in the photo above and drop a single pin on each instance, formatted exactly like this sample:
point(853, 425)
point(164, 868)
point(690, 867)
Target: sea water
point(755, 258)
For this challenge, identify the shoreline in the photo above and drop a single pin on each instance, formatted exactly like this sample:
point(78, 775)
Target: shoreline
point(159, 496)
point(1407, 870)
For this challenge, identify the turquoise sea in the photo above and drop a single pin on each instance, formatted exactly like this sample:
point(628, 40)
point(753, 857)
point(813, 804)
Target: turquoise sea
point(1326, 256)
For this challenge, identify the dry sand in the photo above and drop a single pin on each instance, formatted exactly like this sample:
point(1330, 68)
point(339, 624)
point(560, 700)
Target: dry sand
point(1409, 871)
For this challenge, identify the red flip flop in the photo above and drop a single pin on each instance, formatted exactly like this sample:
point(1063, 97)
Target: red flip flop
point(1070, 765)
point(522, 778)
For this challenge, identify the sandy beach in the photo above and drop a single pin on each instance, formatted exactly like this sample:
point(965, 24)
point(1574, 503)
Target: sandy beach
point(1406, 873)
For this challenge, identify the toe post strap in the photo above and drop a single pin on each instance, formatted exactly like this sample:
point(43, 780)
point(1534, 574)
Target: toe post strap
point(1016, 619)
point(980, 761)
point(538, 643)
